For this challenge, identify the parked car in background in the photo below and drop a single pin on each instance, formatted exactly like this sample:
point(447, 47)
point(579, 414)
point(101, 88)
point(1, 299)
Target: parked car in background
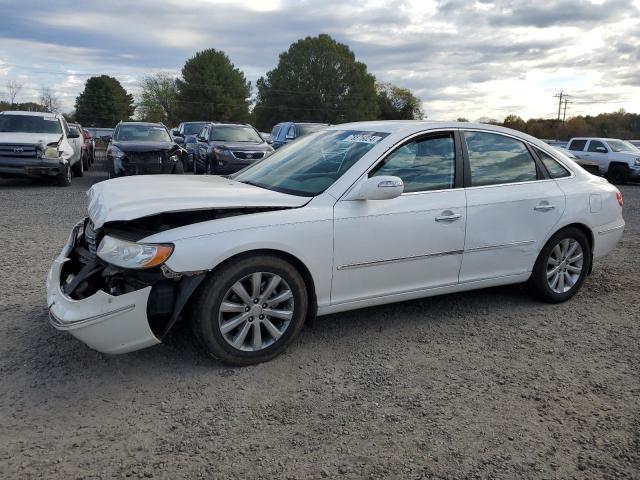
point(356, 215)
point(286, 132)
point(225, 148)
point(81, 143)
point(556, 143)
point(589, 165)
point(188, 132)
point(89, 145)
point(265, 136)
point(98, 134)
point(36, 144)
point(138, 148)
point(617, 159)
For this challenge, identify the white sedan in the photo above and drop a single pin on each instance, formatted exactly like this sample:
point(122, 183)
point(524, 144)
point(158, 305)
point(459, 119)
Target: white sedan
point(352, 216)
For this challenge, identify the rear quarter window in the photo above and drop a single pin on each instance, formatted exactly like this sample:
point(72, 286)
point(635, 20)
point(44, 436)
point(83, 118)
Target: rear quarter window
point(552, 165)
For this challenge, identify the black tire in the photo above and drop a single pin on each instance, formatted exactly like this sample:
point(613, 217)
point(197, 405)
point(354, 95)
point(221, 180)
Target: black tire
point(538, 283)
point(111, 173)
point(64, 179)
point(209, 168)
point(205, 322)
point(618, 174)
point(85, 161)
point(178, 168)
point(78, 168)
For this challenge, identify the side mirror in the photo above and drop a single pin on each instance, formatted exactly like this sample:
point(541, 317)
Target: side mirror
point(384, 187)
point(601, 150)
point(178, 139)
point(269, 140)
point(73, 133)
point(175, 133)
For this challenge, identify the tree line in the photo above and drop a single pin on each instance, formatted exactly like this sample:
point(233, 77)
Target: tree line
point(316, 79)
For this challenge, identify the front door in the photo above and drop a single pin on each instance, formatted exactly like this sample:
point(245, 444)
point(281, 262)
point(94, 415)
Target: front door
point(409, 243)
point(511, 207)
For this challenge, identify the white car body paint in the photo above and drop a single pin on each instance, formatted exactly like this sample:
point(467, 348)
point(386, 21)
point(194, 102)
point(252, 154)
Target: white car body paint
point(361, 253)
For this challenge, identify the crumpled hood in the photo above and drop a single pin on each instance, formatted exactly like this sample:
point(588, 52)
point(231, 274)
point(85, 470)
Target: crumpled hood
point(145, 146)
point(29, 138)
point(128, 198)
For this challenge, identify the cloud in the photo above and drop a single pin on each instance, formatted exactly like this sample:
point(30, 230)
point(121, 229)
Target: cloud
point(463, 58)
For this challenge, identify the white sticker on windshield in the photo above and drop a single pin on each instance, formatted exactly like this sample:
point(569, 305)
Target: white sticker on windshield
point(363, 138)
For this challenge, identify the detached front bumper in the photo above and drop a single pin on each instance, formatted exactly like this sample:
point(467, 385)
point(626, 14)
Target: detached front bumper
point(30, 167)
point(107, 323)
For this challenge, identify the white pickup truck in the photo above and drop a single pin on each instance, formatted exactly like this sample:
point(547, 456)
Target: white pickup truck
point(36, 144)
point(618, 160)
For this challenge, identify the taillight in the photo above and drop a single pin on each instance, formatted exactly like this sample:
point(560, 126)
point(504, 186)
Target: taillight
point(619, 198)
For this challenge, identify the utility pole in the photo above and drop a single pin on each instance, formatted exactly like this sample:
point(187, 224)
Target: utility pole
point(564, 114)
point(561, 97)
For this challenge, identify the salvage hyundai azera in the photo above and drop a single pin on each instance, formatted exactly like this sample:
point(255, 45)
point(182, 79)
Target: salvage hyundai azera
point(354, 215)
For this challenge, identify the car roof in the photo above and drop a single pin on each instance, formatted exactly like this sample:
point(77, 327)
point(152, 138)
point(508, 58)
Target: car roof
point(597, 138)
point(414, 126)
point(146, 124)
point(32, 114)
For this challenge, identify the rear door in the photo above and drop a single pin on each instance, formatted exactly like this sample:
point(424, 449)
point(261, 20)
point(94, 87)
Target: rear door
point(512, 205)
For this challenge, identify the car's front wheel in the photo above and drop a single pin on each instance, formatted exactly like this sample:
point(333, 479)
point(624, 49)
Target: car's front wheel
point(618, 174)
point(562, 266)
point(64, 178)
point(250, 310)
point(178, 168)
point(78, 168)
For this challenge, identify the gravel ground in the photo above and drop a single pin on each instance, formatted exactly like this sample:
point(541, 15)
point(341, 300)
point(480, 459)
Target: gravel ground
point(486, 384)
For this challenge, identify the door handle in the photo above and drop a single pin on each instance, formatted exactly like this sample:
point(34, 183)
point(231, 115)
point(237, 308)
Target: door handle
point(544, 207)
point(449, 218)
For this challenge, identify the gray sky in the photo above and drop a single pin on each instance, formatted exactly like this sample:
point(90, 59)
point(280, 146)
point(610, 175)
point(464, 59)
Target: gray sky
point(461, 58)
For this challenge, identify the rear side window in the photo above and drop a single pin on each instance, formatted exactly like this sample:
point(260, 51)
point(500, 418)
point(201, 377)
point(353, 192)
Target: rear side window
point(577, 145)
point(495, 159)
point(274, 132)
point(594, 145)
point(553, 167)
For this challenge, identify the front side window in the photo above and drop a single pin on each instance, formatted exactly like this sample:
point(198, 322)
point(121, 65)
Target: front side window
point(30, 124)
point(142, 133)
point(312, 164)
point(553, 167)
point(495, 159)
point(423, 165)
point(622, 146)
point(193, 128)
point(594, 145)
point(234, 133)
point(577, 145)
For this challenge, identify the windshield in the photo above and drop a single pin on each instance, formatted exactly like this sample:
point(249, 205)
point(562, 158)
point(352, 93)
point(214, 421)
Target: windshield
point(30, 124)
point(193, 128)
point(142, 133)
point(312, 164)
point(306, 129)
point(621, 146)
point(234, 133)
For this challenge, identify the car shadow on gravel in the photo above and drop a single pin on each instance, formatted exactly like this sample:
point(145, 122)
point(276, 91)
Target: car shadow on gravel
point(56, 355)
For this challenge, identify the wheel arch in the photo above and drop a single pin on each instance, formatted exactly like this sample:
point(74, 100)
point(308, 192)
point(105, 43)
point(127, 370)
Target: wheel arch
point(289, 257)
point(587, 232)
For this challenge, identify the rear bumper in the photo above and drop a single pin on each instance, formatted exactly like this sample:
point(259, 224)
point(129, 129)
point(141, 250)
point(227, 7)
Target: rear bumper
point(30, 167)
point(607, 237)
point(107, 323)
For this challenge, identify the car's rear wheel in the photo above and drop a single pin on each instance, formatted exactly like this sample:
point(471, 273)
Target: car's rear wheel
point(78, 168)
point(250, 310)
point(85, 160)
point(618, 174)
point(562, 266)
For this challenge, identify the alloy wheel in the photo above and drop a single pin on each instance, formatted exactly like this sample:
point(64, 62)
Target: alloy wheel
point(256, 311)
point(564, 265)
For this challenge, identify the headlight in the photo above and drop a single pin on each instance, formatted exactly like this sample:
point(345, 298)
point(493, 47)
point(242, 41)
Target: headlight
point(173, 158)
point(49, 151)
point(221, 151)
point(133, 255)
point(115, 152)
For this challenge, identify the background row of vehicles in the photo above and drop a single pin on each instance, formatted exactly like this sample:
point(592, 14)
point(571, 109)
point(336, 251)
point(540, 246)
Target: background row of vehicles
point(45, 145)
point(36, 144)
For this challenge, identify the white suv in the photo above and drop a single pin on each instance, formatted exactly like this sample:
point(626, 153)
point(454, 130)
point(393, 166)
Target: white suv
point(38, 144)
point(618, 160)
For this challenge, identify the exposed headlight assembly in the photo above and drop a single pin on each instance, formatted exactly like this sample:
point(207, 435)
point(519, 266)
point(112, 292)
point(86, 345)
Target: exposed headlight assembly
point(221, 151)
point(49, 151)
point(173, 158)
point(133, 255)
point(115, 152)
